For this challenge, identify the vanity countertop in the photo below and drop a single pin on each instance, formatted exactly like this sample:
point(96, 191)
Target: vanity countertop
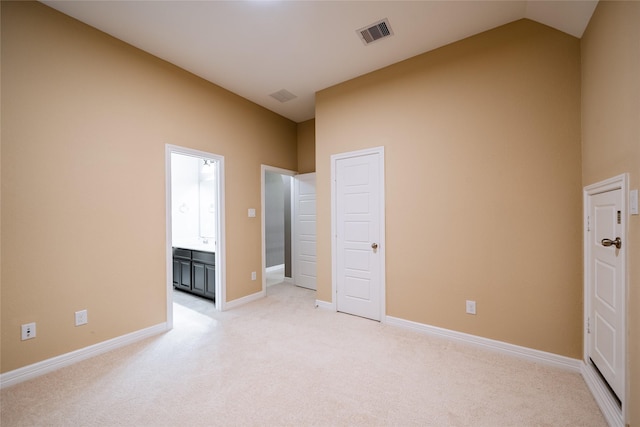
point(197, 247)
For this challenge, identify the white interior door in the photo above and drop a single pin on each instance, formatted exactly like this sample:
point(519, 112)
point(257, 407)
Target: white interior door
point(358, 259)
point(305, 230)
point(606, 288)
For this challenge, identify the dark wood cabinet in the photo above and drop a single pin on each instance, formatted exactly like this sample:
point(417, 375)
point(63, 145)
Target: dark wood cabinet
point(210, 281)
point(182, 269)
point(195, 272)
point(185, 275)
point(198, 274)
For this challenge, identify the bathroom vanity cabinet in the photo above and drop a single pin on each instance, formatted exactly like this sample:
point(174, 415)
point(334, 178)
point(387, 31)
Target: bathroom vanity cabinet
point(195, 272)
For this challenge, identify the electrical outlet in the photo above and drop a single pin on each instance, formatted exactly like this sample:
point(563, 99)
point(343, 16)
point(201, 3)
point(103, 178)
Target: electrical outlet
point(253, 275)
point(28, 331)
point(471, 307)
point(81, 317)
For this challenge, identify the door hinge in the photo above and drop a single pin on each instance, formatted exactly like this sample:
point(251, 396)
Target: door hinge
point(588, 223)
point(588, 325)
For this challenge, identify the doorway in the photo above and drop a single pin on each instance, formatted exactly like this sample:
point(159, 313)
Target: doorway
point(195, 249)
point(605, 290)
point(357, 229)
point(277, 263)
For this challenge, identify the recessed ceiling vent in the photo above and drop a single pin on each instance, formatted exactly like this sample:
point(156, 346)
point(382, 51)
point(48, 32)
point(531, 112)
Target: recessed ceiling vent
point(283, 95)
point(377, 31)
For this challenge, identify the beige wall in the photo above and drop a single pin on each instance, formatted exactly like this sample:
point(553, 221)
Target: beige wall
point(307, 146)
point(483, 183)
point(611, 137)
point(85, 120)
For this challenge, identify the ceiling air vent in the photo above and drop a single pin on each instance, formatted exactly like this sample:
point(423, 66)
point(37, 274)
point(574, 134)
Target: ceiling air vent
point(283, 95)
point(373, 32)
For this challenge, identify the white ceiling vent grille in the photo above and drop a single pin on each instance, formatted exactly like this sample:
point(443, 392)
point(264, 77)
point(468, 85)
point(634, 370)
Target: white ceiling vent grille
point(283, 95)
point(376, 31)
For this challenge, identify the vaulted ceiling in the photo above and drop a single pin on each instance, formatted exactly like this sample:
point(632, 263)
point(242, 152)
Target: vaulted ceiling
point(257, 48)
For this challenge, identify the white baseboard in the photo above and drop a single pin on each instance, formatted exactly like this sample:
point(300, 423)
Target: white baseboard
point(499, 346)
point(609, 407)
point(325, 305)
point(274, 268)
point(244, 300)
point(35, 370)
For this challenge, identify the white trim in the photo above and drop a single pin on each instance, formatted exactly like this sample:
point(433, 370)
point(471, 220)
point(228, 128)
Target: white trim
point(168, 237)
point(274, 268)
point(608, 405)
point(221, 274)
point(615, 415)
point(382, 244)
point(526, 353)
point(49, 365)
point(326, 305)
point(263, 170)
point(245, 300)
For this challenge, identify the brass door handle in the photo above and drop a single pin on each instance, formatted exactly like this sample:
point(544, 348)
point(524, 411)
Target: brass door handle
point(616, 242)
point(374, 246)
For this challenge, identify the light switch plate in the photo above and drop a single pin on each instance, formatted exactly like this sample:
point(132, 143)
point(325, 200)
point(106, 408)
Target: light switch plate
point(81, 318)
point(252, 213)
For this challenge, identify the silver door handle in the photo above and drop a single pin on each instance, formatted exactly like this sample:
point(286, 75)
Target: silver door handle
point(374, 246)
point(616, 242)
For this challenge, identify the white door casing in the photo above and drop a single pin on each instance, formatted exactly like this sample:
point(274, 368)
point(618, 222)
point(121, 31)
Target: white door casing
point(220, 246)
point(358, 245)
point(304, 241)
point(606, 287)
point(605, 290)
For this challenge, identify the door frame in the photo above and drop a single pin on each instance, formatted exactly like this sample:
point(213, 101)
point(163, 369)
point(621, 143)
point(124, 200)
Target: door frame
point(615, 414)
point(334, 218)
point(221, 286)
point(263, 170)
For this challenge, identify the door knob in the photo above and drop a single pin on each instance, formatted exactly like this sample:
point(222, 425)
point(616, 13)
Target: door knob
point(616, 242)
point(374, 246)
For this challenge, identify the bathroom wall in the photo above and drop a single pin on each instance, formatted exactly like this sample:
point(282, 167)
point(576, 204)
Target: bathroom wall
point(193, 208)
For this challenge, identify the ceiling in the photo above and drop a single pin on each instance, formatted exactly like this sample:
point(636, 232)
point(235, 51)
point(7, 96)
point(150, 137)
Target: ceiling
point(256, 48)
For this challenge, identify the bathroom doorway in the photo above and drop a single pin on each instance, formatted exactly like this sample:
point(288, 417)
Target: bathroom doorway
point(195, 229)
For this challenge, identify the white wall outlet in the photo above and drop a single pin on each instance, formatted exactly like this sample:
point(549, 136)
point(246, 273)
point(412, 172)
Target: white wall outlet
point(471, 307)
point(28, 331)
point(253, 275)
point(252, 213)
point(81, 317)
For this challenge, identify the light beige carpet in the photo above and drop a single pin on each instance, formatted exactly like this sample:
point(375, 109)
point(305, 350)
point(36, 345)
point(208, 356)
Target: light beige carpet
point(281, 362)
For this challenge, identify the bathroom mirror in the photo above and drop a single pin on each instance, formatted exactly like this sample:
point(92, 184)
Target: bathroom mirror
point(208, 200)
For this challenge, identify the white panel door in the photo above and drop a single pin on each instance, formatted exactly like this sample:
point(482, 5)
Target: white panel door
point(358, 232)
point(606, 321)
point(305, 230)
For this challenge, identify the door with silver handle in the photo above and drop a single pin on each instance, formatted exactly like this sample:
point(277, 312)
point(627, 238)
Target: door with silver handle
point(616, 242)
